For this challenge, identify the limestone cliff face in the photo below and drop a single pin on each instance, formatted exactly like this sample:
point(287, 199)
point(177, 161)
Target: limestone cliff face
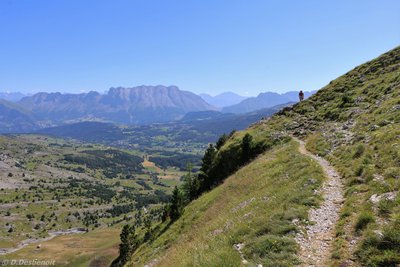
point(136, 105)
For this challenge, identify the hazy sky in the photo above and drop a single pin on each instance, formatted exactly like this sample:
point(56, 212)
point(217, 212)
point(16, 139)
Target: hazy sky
point(244, 46)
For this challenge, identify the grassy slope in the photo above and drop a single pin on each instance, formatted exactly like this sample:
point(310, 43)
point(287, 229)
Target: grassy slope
point(354, 123)
point(254, 206)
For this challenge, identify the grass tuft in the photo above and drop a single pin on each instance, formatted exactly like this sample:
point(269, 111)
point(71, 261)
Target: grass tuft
point(363, 220)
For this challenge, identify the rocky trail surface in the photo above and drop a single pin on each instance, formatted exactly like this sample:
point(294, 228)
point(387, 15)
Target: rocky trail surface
point(316, 240)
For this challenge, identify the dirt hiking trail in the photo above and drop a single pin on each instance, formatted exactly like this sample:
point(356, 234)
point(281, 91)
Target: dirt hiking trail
point(316, 239)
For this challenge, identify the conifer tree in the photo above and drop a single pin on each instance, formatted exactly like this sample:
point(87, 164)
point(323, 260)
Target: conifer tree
point(246, 147)
point(190, 184)
point(221, 141)
point(176, 206)
point(129, 243)
point(204, 176)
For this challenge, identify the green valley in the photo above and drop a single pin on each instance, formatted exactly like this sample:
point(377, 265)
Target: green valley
point(55, 191)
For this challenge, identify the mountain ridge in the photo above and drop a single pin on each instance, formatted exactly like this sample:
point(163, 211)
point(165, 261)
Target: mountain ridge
point(14, 119)
point(12, 96)
point(136, 105)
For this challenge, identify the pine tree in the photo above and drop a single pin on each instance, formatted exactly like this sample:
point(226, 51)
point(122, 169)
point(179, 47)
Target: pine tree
point(221, 141)
point(176, 206)
point(190, 184)
point(246, 148)
point(149, 231)
point(165, 212)
point(208, 159)
point(129, 243)
point(204, 176)
point(195, 192)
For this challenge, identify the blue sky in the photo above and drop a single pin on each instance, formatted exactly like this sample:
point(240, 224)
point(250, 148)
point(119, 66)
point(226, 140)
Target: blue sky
point(202, 46)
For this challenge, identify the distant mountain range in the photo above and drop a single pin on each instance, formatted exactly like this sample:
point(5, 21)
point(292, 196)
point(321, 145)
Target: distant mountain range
point(12, 96)
point(14, 119)
point(136, 105)
point(139, 105)
point(224, 99)
point(264, 100)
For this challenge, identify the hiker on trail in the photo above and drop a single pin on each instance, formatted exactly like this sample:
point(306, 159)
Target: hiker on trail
point(301, 95)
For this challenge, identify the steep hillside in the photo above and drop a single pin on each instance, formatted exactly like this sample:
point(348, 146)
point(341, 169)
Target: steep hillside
point(137, 105)
point(13, 119)
point(253, 207)
point(259, 214)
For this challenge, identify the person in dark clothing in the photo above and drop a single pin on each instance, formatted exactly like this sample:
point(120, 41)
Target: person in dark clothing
point(301, 95)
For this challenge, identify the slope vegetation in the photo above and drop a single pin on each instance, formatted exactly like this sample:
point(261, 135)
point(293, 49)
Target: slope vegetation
point(253, 210)
point(255, 215)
